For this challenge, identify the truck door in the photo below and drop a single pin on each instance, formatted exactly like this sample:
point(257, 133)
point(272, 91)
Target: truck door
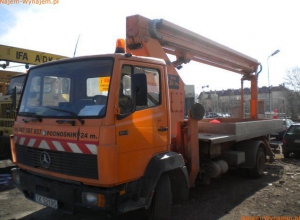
point(144, 131)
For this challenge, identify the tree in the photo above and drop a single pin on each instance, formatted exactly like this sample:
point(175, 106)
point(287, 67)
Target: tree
point(292, 80)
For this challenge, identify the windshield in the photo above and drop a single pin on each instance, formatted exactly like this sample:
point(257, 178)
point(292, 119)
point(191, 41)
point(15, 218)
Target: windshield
point(73, 89)
point(16, 82)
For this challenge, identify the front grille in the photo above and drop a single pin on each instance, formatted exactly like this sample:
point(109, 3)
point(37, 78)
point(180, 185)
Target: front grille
point(79, 165)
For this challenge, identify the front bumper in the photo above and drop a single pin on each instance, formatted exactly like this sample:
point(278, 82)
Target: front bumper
point(67, 194)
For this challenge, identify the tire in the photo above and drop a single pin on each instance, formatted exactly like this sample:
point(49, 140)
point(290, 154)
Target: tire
point(258, 170)
point(161, 205)
point(286, 155)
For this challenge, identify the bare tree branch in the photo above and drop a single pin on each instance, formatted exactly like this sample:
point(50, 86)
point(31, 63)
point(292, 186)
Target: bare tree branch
point(292, 80)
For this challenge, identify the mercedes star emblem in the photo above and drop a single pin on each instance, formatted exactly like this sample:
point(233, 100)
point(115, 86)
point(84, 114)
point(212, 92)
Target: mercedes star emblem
point(45, 159)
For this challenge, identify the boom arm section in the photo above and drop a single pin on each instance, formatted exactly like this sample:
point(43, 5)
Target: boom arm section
point(187, 45)
point(19, 55)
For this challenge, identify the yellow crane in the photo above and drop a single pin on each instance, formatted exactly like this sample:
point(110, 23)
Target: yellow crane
point(28, 57)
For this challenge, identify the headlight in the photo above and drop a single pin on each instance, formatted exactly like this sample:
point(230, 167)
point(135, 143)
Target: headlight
point(89, 198)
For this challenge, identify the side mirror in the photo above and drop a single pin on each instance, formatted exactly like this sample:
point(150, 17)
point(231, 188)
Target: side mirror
point(197, 111)
point(139, 89)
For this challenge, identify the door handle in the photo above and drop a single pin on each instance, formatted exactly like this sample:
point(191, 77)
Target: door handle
point(162, 129)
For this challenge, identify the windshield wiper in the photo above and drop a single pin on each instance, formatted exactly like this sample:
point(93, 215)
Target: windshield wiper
point(66, 111)
point(71, 122)
point(30, 114)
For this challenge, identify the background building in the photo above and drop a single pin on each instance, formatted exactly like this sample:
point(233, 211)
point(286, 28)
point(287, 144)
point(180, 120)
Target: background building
point(228, 101)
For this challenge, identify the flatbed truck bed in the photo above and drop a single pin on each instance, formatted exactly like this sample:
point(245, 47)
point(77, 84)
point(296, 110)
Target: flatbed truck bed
point(231, 129)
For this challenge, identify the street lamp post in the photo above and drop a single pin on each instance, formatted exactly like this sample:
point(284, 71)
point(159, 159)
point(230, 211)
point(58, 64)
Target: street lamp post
point(203, 95)
point(276, 52)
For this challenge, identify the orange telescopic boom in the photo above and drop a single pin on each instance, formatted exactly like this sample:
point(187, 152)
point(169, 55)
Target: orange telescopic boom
point(158, 37)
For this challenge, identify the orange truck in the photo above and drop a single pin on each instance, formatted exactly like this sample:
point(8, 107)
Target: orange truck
point(108, 131)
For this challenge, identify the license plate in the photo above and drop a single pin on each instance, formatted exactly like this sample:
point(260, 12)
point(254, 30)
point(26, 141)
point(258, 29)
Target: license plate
point(297, 141)
point(45, 201)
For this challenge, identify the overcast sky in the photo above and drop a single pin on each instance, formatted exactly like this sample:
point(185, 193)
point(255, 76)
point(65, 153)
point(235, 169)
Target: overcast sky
point(255, 28)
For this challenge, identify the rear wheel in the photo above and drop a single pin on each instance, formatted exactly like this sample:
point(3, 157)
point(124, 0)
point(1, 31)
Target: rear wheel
point(161, 205)
point(258, 170)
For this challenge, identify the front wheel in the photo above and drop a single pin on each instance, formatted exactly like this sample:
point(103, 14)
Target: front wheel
point(258, 170)
point(161, 205)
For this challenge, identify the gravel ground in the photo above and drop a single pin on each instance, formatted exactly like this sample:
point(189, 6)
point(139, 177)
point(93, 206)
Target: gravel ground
point(229, 197)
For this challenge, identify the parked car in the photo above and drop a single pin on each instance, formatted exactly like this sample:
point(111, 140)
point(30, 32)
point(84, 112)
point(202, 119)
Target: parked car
point(212, 115)
point(286, 124)
point(291, 141)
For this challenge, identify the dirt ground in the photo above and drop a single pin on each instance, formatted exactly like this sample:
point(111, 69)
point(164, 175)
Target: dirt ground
point(229, 197)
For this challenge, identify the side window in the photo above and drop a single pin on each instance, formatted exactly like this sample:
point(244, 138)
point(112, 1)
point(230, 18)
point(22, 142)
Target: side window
point(294, 130)
point(125, 99)
point(153, 88)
